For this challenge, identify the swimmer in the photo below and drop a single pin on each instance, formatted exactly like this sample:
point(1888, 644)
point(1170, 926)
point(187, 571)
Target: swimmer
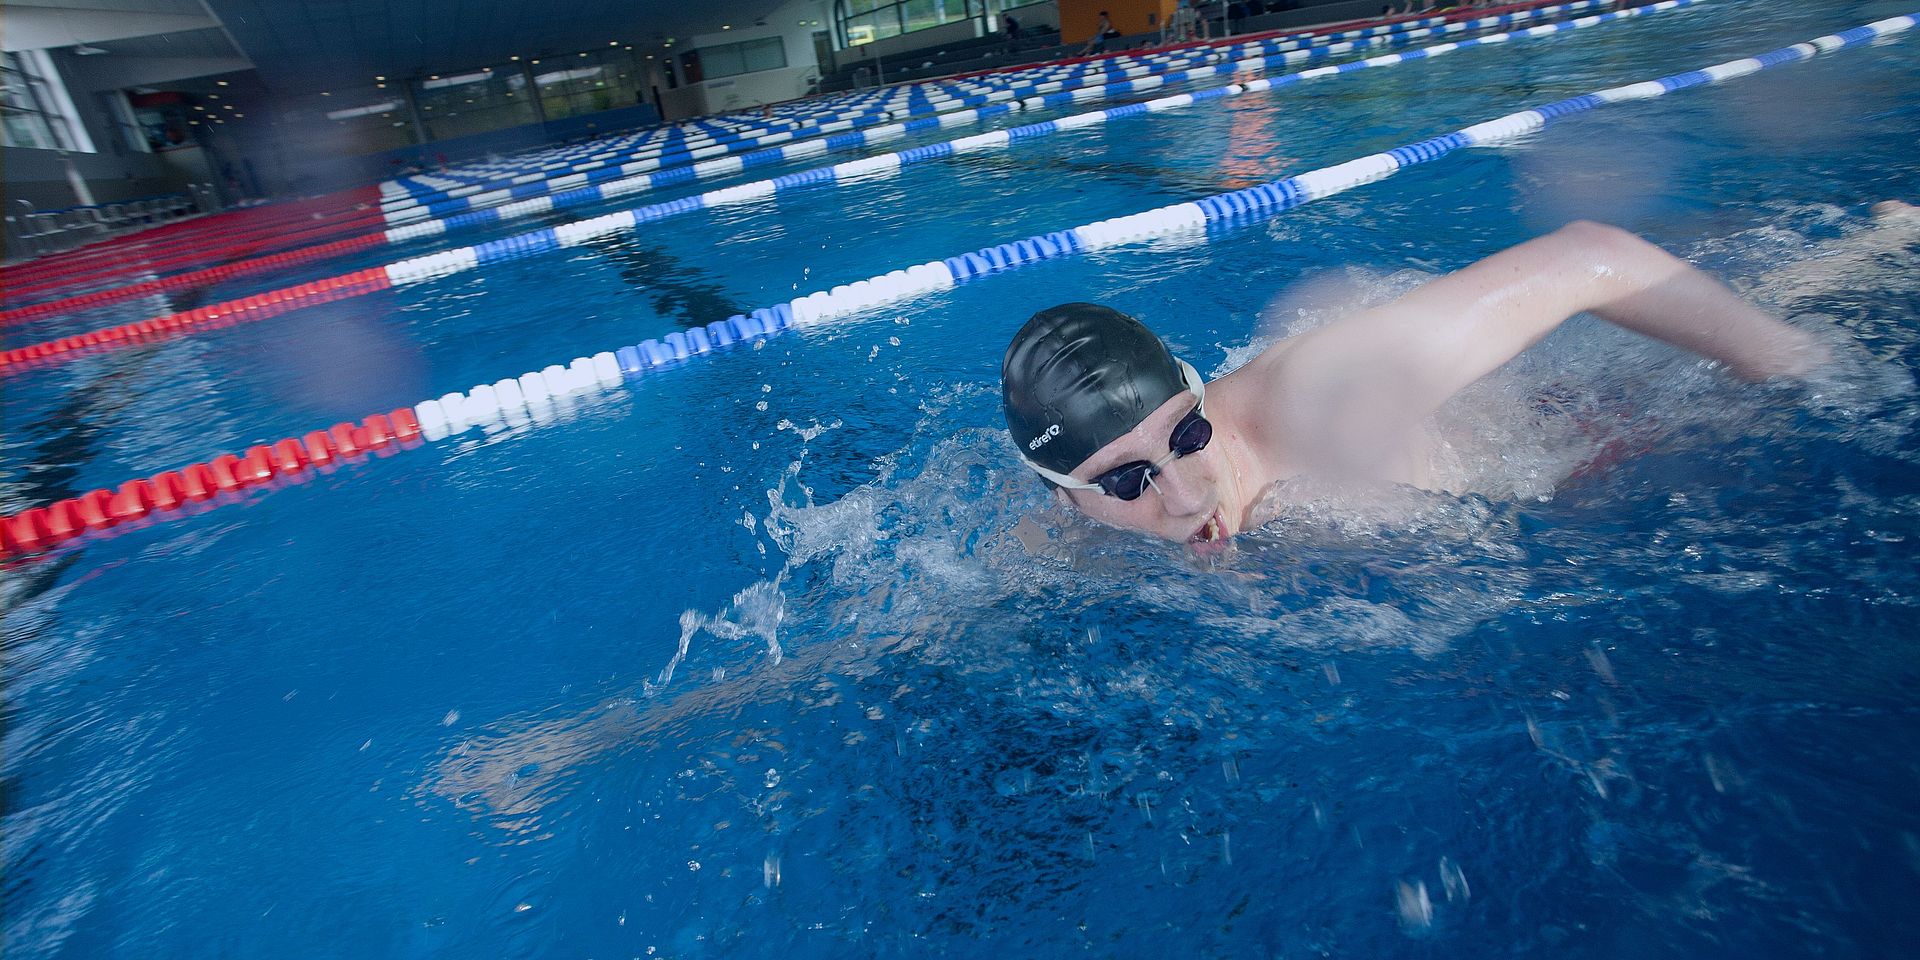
point(1134, 438)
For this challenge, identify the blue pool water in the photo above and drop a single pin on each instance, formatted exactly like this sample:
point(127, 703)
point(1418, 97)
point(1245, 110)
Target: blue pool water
point(780, 654)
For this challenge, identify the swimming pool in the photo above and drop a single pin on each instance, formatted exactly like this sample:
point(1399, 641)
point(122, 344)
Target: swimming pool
point(755, 656)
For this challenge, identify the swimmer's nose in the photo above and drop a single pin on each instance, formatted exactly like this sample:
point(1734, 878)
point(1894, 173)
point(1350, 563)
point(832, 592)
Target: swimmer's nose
point(1179, 493)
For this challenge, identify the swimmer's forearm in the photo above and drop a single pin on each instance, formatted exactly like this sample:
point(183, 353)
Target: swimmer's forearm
point(1641, 287)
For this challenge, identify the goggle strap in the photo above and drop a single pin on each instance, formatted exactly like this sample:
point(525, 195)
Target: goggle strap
point(1059, 479)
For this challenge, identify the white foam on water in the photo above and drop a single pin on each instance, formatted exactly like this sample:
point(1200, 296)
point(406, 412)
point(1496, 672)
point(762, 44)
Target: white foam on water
point(953, 559)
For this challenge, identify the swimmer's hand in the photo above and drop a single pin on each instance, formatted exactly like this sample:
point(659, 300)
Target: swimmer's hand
point(1786, 352)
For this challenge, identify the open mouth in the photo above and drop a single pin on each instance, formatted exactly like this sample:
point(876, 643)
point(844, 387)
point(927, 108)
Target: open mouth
point(1213, 531)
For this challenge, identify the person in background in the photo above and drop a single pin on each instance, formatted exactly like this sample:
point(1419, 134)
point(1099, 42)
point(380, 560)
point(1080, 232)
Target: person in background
point(1100, 34)
point(1184, 25)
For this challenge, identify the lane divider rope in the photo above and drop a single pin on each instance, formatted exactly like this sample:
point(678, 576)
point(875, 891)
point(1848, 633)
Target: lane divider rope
point(528, 198)
point(432, 266)
point(1042, 89)
point(798, 113)
point(927, 96)
point(516, 398)
point(199, 240)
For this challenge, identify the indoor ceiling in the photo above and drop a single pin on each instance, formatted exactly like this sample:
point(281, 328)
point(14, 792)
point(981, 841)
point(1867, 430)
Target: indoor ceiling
point(301, 46)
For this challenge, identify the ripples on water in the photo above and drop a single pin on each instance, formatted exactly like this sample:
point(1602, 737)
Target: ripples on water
point(1636, 662)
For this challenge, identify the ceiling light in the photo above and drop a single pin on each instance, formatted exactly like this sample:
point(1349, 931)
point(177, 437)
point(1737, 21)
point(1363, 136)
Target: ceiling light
point(613, 43)
point(583, 53)
point(221, 82)
point(517, 56)
point(213, 96)
point(726, 26)
point(239, 116)
point(434, 77)
point(325, 94)
point(381, 85)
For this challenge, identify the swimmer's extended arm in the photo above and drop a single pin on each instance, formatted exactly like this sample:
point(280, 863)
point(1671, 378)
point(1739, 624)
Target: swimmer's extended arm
point(1428, 345)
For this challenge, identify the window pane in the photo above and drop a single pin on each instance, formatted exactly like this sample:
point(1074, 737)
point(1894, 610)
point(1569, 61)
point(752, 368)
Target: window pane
point(722, 61)
point(474, 101)
point(33, 117)
point(920, 14)
point(768, 54)
point(747, 56)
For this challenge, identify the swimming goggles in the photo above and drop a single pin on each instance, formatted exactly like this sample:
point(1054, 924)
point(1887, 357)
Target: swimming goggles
point(1129, 480)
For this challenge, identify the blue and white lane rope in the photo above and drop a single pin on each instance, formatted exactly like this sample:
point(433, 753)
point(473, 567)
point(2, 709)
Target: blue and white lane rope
point(455, 193)
point(508, 399)
point(533, 242)
point(638, 171)
point(539, 241)
point(886, 100)
point(717, 160)
point(943, 93)
point(586, 189)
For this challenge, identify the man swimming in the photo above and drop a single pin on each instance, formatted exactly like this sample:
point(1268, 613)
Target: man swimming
point(1134, 438)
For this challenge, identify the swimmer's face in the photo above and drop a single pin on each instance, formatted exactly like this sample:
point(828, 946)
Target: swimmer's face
point(1192, 499)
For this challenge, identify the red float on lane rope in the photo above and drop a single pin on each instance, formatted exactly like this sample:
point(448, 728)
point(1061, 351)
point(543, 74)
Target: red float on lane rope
point(167, 493)
point(245, 309)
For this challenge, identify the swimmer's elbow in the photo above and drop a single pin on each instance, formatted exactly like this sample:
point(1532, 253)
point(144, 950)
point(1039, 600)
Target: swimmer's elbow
point(1592, 238)
point(1601, 265)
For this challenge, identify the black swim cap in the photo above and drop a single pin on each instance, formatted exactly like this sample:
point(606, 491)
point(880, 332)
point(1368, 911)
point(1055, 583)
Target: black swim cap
point(1077, 377)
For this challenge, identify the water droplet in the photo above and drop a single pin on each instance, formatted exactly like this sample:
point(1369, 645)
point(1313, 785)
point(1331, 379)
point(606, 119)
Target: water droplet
point(1454, 881)
point(1416, 908)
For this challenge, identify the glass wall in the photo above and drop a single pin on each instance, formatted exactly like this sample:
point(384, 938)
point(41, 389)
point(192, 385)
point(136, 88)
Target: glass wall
point(588, 82)
point(481, 100)
point(864, 21)
point(372, 120)
point(747, 56)
point(32, 117)
point(474, 101)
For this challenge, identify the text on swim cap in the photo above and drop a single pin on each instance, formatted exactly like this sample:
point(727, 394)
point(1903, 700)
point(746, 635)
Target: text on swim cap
point(1041, 440)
